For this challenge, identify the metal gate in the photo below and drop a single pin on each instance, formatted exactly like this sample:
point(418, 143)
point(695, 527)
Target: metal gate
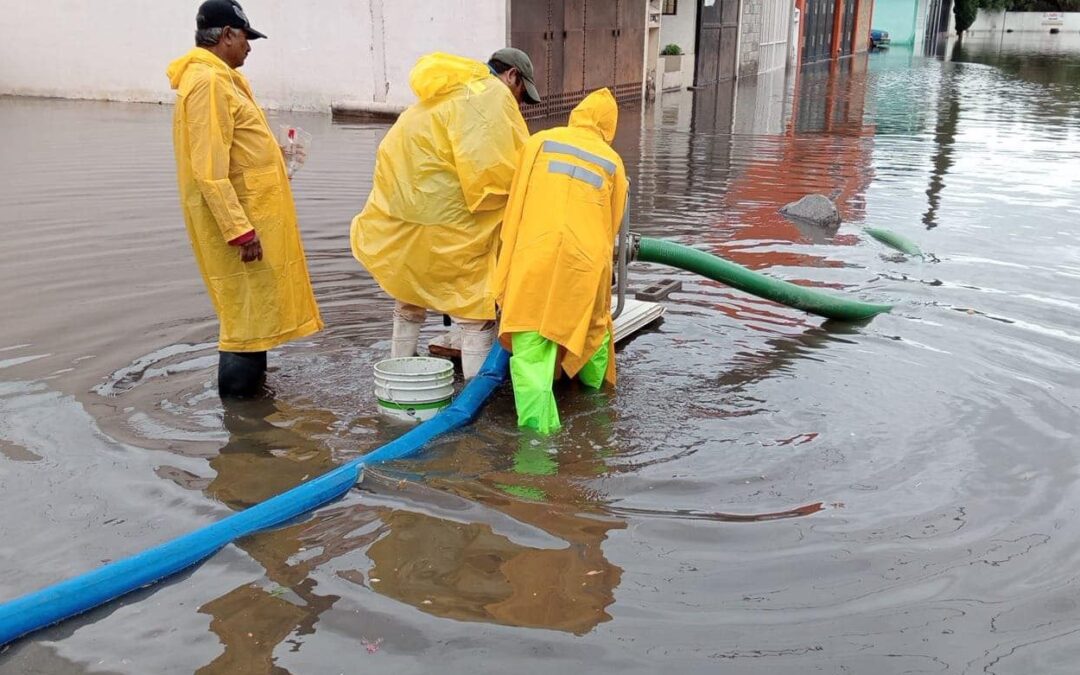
point(717, 42)
point(577, 46)
point(935, 34)
point(775, 30)
point(847, 34)
point(818, 31)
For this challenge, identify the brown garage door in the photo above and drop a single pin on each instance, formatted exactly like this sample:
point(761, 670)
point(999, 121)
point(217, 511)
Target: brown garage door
point(578, 46)
point(818, 30)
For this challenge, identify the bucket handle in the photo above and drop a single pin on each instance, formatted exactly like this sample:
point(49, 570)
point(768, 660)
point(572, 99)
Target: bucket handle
point(390, 395)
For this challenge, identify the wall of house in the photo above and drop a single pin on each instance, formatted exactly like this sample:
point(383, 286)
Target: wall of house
point(1025, 22)
point(332, 51)
point(750, 27)
point(680, 28)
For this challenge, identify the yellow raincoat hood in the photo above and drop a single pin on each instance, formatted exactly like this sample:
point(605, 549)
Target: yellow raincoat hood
point(599, 112)
point(179, 66)
point(566, 205)
point(439, 74)
point(429, 232)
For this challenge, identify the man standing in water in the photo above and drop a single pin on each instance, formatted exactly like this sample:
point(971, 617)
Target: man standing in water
point(234, 191)
point(430, 229)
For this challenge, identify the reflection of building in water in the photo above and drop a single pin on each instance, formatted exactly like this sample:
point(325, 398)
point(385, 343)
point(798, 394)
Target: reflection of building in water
point(948, 122)
point(825, 148)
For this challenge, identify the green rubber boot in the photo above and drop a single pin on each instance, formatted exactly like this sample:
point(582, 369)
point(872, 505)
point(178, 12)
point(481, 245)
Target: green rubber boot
point(532, 369)
point(593, 372)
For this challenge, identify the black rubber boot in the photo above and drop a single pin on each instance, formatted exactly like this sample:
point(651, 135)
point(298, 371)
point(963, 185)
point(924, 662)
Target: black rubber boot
point(241, 374)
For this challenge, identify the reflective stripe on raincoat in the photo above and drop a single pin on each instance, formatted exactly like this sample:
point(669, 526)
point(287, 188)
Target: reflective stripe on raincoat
point(232, 180)
point(558, 235)
point(429, 231)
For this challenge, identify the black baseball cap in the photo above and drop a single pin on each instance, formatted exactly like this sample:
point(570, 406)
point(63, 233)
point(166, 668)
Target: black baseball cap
point(222, 13)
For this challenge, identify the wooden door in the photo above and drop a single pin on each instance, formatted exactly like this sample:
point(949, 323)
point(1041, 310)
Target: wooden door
point(601, 29)
point(630, 49)
point(717, 42)
point(529, 32)
point(556, 53)
point(729, 39)
point(573, 52)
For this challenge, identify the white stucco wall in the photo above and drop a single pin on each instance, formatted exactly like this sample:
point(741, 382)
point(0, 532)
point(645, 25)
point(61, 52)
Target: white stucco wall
point(680, 28)
point(318, 54)
point(1025, 22)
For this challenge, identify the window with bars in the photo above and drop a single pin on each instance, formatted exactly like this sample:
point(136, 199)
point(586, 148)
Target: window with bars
point(671, 7)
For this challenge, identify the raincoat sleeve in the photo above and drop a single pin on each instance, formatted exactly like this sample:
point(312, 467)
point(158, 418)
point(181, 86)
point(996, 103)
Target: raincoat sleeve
point(512, 216)
point(210, 134)
point(485, 156)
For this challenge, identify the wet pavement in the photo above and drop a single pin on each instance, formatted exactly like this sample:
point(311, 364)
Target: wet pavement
point(766, 492)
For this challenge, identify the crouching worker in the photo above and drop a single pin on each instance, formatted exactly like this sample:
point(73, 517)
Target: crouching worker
point(429, 231)
point(553, 279)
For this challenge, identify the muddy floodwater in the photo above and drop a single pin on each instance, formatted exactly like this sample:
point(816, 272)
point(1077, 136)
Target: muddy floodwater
point(765, 492)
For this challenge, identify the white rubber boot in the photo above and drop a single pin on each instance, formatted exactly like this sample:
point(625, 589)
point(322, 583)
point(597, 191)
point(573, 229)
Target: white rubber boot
point(476, 341)
point(406, 334)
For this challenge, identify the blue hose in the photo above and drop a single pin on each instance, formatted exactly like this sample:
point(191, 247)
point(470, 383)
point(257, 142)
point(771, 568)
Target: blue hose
point(82, 593)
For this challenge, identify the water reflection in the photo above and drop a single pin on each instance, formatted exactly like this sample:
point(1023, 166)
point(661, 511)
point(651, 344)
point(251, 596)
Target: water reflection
point(948, 121)
point(467, 572)
point(463, 571)
point(260, 460)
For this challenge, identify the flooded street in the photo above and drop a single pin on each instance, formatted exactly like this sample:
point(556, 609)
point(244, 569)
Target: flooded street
point(765, 493)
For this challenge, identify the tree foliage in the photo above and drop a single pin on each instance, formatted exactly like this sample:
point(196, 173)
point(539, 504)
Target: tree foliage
point(965, 11)
point(1030, 5)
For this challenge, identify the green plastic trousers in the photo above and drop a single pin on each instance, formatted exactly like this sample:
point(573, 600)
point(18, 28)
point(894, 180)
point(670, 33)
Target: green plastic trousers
point(532, 371)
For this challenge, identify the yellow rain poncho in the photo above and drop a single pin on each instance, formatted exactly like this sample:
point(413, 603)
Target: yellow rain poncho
point(429, 231)
point(558, 236)
point(233, 180)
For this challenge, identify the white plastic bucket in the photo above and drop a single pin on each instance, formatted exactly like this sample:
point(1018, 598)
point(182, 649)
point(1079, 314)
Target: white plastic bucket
point(414, 388)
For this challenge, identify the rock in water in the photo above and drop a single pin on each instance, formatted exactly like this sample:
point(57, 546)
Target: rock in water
point(815, 209)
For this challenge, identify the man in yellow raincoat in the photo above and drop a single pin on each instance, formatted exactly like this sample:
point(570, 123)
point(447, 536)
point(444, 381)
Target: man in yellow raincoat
point(553, 280)
point(429, 231)
point(234, 191)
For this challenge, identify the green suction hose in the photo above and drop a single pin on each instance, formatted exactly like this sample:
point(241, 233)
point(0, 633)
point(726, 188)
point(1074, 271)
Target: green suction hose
point(894, 240)
point(736, 276)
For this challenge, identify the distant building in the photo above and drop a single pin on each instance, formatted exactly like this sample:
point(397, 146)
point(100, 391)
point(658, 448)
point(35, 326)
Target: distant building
point(356, 54)
point(915, 23)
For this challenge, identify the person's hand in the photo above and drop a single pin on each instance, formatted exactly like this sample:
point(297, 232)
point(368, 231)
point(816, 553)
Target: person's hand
point(251, 251)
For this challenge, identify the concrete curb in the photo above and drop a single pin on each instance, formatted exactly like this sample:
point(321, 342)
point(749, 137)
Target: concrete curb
point(367, 110)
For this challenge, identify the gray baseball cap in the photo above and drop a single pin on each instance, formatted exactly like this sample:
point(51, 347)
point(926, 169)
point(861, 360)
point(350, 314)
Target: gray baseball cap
point(516, 58)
